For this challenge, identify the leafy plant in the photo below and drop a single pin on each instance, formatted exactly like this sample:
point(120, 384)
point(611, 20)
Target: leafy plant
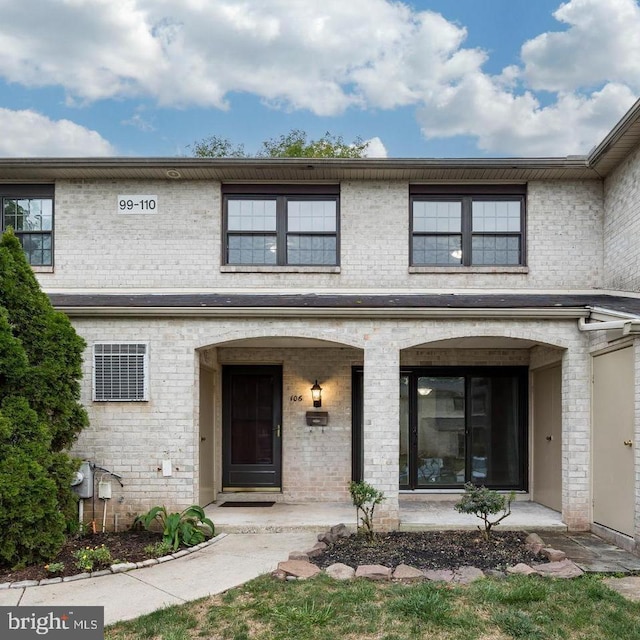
point(54, 567)
point(365, 497)
point(89, 558)
point(188, 527)
point(483, 502)
point(158, 549)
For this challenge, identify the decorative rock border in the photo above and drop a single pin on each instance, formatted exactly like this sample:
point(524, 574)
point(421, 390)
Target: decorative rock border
point(120, 567)
point(299, 567)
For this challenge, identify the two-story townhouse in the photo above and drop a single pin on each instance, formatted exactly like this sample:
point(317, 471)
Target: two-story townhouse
point(465, 320)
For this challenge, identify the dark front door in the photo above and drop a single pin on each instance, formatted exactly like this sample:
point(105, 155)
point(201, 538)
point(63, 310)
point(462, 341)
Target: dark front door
point(252, 419)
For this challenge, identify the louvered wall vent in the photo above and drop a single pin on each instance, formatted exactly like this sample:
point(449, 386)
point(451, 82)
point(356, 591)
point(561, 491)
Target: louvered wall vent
point(120, 372)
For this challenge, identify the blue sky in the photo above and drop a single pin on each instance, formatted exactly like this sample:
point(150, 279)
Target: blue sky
point(428, 78)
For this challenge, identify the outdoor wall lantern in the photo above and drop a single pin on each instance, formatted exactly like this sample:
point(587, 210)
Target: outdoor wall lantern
point(316, 394)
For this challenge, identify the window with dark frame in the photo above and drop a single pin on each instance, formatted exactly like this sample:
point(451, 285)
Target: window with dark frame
point(467, 226)
point(28, 210)
point(281, 225)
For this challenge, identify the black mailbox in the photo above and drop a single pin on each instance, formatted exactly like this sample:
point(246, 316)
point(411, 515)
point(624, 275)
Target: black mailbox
point(317, 418)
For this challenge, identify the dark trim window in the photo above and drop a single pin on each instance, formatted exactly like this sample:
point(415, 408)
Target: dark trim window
point(467, 227)
point(278, 226)
point(28, 209)
point(457, 425)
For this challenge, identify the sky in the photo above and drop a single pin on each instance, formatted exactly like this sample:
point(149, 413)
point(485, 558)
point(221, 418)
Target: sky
point(420, 78)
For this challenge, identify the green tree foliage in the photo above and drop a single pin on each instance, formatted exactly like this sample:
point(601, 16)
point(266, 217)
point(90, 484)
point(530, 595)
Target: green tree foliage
point(40, 413)
point(217, 147)
point(295, 144)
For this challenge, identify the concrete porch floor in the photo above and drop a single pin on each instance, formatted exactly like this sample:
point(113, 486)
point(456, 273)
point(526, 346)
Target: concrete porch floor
point(414, 516)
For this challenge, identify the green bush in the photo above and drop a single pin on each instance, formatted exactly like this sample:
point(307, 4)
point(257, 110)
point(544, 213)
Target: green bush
point(483, 502)
point(91, 558)
point(40, 413)
point(188, 527)
point(365, 498)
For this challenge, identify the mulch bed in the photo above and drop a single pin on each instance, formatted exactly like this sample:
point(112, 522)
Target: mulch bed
point(430, 550)
point(125, 546)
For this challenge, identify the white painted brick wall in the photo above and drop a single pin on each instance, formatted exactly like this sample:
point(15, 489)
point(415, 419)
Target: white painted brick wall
point(622, 226)
point(131, 438)
point(180, 246)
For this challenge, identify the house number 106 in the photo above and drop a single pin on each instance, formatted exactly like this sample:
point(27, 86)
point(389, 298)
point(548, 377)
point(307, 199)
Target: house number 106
point(295, 398)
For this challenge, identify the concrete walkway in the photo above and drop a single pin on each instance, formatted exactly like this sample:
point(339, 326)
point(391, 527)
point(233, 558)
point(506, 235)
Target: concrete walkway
point(233, 559)
point(229, 562)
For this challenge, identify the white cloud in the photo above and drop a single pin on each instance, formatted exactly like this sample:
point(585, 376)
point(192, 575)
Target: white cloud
point(30, 134)
point(602, 44)
point(332, 56)
point(375, 148)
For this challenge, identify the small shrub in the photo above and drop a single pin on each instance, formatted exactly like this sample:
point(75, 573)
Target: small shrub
point(188, 527)
point(365, 498)
point(54, 567)
point(483, 502)
point(158, 549)
point(89, 558)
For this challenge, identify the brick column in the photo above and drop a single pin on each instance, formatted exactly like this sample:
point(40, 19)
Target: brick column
point(576, 437)
point(381, 427)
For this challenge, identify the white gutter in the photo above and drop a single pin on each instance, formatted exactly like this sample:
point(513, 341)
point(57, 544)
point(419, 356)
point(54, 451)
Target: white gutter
point(547, 313)
point(626, 326)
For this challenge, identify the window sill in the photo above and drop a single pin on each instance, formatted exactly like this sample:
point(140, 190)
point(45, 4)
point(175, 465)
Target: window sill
point(246, 268)
point(42, 269)
point(497, 269)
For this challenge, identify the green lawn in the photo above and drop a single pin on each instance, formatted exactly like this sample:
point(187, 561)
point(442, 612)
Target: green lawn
point(530, 608)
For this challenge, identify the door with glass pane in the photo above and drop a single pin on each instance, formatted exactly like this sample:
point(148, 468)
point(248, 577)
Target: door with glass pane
point(252, 423)
point(460, 425)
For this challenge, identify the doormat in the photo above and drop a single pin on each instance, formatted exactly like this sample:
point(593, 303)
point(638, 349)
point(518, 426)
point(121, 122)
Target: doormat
point(246, 503)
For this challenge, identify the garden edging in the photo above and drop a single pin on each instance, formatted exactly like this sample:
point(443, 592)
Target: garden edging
point(120, 567)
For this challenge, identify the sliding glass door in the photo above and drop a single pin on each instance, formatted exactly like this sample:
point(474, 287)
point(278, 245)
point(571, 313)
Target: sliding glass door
point(463, 424)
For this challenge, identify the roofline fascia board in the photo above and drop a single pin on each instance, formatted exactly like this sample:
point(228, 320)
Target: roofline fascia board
point(619, 129)
point(571, 313)
point(603, 314)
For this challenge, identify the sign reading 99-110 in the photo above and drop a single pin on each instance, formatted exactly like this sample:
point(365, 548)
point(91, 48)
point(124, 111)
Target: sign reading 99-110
point(137, 204)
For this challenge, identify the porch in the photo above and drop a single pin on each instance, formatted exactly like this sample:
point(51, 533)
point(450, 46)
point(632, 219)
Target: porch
point(416, 516)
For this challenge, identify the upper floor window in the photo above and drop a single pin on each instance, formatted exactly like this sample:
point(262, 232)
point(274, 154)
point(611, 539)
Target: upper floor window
point(281, 225)
point(28, 209)
point(468, 226)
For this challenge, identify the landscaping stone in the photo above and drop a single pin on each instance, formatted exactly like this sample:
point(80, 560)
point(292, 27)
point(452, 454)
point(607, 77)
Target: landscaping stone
point(47, 581)
point(150, 562)
point(122, 566)
point(554, 555)
point(495, 573)
point(339, 571)
point(4, 585)
point(298, 568)
point(439, 575)
point(78, 576)
point(562, 569)
point(521, 568)
point(534, 543)
point(24, 583)
point(327, 537)
point(373, 572)
point(164, 559)
point(102, 572)
point(340, 531)
point(181, 553)
point(299, 555)
point(317, 549)
point(467, 575)
point(405, 572)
